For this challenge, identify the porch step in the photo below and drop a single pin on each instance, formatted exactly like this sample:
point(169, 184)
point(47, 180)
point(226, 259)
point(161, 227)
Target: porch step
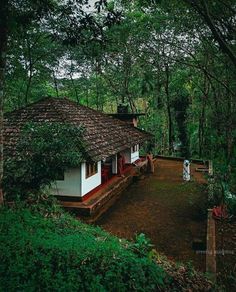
point(91, 209)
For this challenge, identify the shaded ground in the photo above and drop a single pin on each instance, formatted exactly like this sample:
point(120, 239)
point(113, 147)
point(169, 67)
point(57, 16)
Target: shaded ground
point(170, 212)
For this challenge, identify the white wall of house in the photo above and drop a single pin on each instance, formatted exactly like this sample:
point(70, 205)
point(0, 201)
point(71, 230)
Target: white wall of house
point(76, 184)
point(70, 186)
point(129, 155)
point(90, 183)
point(135, 155)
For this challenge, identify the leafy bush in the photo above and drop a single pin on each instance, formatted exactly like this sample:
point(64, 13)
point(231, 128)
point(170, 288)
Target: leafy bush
point(220, 193)
point(44, 151)
point(142, 244)
point(231, 203)
point(62, 254)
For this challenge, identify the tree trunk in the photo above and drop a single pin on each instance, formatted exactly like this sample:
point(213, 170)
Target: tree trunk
point(30, 71)
point(28, 87)
point(170, 130)
point(230, 128)
point(3, 50)
point(87, 96)
point(97, 92)
point(72, 80)
point(132, 104)
point(127, 63)
point(202, 119)
point(75, 89)
point(201, 133)
point(55, 83)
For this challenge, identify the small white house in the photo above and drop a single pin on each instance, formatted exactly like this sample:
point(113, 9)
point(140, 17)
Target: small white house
point(104, 137)
point(80, 181)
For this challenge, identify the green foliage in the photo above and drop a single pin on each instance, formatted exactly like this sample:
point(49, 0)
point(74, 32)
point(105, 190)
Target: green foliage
point(127, 61)
point(231, 203)
point(62, 254)
point(142, 244)
point(44, 151)
point(220, 192)
point(180, 106)
point(42, 203)
point(33, 59)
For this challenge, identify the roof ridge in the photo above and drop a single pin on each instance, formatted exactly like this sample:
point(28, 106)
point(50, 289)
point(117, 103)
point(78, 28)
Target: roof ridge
point(96, 112)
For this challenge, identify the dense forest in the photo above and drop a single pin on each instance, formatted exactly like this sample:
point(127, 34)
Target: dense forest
point(173, 60)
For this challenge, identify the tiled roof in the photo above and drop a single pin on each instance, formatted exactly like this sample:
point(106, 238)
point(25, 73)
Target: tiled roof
point(103, 136)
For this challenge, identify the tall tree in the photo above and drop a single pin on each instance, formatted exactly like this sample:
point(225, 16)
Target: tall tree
point(3, 51)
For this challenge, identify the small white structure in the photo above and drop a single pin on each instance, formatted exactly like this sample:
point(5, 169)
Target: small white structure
point(186, 170)
point(80, 181)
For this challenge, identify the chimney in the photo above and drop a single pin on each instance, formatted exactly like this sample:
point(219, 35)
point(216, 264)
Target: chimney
point(124, 115)
point(122, 109)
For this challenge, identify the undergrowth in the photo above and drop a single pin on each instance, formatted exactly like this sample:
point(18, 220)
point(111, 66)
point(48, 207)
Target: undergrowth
point(62, 254)
point(45, 249)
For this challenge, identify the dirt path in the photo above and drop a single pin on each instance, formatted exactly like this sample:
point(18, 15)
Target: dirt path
point(166, 209)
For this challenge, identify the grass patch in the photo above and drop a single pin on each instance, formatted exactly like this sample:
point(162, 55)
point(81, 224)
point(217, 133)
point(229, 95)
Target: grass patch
point(62, 254)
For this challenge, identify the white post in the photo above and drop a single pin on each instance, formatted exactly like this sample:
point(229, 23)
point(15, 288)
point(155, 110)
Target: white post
point(186, 170)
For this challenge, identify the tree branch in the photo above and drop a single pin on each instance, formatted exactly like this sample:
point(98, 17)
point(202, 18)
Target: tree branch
point(204, 12)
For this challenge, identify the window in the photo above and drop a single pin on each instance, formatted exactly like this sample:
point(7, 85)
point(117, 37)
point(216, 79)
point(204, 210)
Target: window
point(91, 168)
point(134, 148)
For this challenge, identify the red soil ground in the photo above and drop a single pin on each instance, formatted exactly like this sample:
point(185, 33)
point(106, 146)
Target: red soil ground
point(169, 211)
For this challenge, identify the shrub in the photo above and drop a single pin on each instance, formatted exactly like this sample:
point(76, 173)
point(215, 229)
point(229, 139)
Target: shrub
point(142, 244)
point(220, 193)
point(62, 254)
point(43, 152)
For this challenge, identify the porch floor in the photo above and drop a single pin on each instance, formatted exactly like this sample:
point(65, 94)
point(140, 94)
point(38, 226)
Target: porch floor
point(101, 198)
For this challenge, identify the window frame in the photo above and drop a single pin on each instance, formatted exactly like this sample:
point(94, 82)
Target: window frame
point(135, 148)
point(91, 168)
